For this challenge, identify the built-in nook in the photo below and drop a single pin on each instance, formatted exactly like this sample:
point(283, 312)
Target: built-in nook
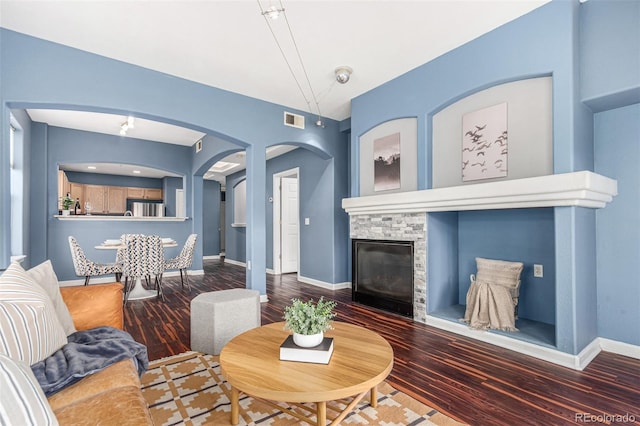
point(520, 235)
point(512, 220)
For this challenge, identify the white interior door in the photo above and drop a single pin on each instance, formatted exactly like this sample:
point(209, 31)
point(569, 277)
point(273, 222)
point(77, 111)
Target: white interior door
point(289, 228)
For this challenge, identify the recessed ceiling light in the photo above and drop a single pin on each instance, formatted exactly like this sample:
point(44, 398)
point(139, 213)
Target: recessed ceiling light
point(137, 172)
point(91, 167)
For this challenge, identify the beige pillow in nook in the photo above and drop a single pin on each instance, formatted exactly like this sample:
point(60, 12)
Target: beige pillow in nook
point(29, 327)
point(46, 277)
point(499, 272)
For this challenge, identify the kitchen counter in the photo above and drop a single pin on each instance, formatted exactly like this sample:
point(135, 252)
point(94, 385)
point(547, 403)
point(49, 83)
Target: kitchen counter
point(121, 218)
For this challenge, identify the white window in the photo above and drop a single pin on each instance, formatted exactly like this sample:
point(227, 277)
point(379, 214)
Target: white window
point(240, 204)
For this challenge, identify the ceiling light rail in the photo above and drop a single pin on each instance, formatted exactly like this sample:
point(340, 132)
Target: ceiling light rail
point(124, 127)
point(271, 14)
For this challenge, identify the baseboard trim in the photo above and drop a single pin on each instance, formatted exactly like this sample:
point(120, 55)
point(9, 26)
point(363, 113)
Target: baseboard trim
point(235, 262)
point(619, 348)
point(211, 257)
point(111, 278)
point(575, 362)
point(323, 284)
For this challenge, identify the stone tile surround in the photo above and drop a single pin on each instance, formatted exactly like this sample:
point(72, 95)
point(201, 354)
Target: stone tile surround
point(400, 227)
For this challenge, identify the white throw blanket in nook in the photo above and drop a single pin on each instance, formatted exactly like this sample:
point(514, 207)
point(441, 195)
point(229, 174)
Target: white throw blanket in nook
point(489, 306)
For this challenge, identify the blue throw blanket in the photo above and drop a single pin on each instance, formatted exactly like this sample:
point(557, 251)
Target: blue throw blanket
point(88, 352)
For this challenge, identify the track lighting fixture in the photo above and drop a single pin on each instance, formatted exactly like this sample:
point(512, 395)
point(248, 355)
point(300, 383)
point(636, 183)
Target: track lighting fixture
point(272, 12)
point(126, 126)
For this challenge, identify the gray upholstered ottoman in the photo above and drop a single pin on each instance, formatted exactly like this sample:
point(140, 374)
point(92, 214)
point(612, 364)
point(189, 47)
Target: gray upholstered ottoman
point(219, 316)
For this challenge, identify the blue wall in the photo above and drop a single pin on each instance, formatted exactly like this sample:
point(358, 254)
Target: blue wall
point(314, 186)
point(609, 54)
point(63, 145)
point(594, 58)
point(112, 180)
point(523, 235)
point(235, 238)
point(211, 218)
point(617, 152)
point(41, 74)
point(169, 186)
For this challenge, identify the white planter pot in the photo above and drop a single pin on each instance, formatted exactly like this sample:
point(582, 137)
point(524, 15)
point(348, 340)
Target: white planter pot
point(307, 340)
point(66, 212)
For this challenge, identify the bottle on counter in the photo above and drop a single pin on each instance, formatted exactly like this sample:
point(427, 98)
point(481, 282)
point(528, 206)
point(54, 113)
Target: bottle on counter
point(77, 209)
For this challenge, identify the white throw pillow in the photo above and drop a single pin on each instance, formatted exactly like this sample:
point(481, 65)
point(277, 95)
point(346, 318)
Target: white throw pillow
point(499, 272)
point(45, 277)
point(22, 401)
point(29, 327)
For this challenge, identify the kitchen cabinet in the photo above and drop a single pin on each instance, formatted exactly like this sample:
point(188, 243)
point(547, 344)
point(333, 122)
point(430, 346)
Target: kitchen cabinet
point(75, 190)
point(153, 194)
point(144, 193)
point(116, 199)
point(106, 199)
point(95, 194)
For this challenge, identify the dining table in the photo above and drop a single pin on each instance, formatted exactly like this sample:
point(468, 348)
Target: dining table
point(138, 292)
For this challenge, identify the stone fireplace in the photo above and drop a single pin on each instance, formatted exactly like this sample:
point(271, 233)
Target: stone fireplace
point(403, 216)
point(383, 275)
point(399, 227)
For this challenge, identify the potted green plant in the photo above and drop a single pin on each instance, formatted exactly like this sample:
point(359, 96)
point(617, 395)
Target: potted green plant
point(67, 202)
point(309, 320)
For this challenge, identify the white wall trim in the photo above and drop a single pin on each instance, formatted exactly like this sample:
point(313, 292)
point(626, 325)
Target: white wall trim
point(271, 272)
point(211, 257)
point(235, 262)
point(575, 362)
point(581, 189)
point(619, 348)
point(323, 284)
point(112, 279)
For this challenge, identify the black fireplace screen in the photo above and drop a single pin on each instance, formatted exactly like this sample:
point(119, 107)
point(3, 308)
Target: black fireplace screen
point(383, 275)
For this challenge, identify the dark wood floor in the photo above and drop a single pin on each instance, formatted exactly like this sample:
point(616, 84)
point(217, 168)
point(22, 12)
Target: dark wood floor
point(472, 381)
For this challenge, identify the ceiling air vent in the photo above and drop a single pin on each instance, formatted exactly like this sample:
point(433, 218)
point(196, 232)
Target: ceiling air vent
point(293, 120)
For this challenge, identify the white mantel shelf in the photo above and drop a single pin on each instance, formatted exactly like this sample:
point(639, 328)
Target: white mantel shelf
point(120, 218)
point(579, 189)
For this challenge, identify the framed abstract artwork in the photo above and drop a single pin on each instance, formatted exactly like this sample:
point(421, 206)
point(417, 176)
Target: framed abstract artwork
point(386, 162)
point(485, 143)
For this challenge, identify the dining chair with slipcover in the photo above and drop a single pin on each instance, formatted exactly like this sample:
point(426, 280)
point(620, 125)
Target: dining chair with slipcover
point(184, 260)
point(87, 268)
point(143, 256)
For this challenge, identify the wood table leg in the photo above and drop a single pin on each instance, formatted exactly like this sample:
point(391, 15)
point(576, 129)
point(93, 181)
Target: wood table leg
point(235, 406)
point(374, 396)
point(321, 413)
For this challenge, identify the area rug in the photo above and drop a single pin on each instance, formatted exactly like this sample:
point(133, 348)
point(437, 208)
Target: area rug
point(189, 389)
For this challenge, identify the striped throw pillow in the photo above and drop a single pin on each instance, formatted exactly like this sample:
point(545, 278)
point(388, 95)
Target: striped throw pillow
point(22, 401)
point(29, 327)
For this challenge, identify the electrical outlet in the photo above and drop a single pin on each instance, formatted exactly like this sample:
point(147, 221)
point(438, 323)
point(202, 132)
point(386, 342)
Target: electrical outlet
point(307, 221)
point(538, 271)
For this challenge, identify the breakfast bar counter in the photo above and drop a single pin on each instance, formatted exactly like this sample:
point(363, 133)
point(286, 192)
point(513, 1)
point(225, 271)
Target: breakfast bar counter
point(121, 218)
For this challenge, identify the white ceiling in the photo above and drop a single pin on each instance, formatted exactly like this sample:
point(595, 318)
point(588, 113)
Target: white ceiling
point(228, 44)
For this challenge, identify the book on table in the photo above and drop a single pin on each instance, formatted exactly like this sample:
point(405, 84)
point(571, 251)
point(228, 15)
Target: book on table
point(320, 354)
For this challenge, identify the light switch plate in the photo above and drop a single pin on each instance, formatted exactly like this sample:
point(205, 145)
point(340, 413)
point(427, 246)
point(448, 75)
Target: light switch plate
point(538, 271)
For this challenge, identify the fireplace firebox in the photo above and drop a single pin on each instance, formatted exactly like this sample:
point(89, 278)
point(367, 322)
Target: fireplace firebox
point(383, 275)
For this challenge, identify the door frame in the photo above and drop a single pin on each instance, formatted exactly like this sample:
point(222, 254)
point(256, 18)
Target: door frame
point(277, 231)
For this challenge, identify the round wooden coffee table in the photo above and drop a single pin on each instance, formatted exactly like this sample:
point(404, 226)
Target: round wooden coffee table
point(361, 360)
